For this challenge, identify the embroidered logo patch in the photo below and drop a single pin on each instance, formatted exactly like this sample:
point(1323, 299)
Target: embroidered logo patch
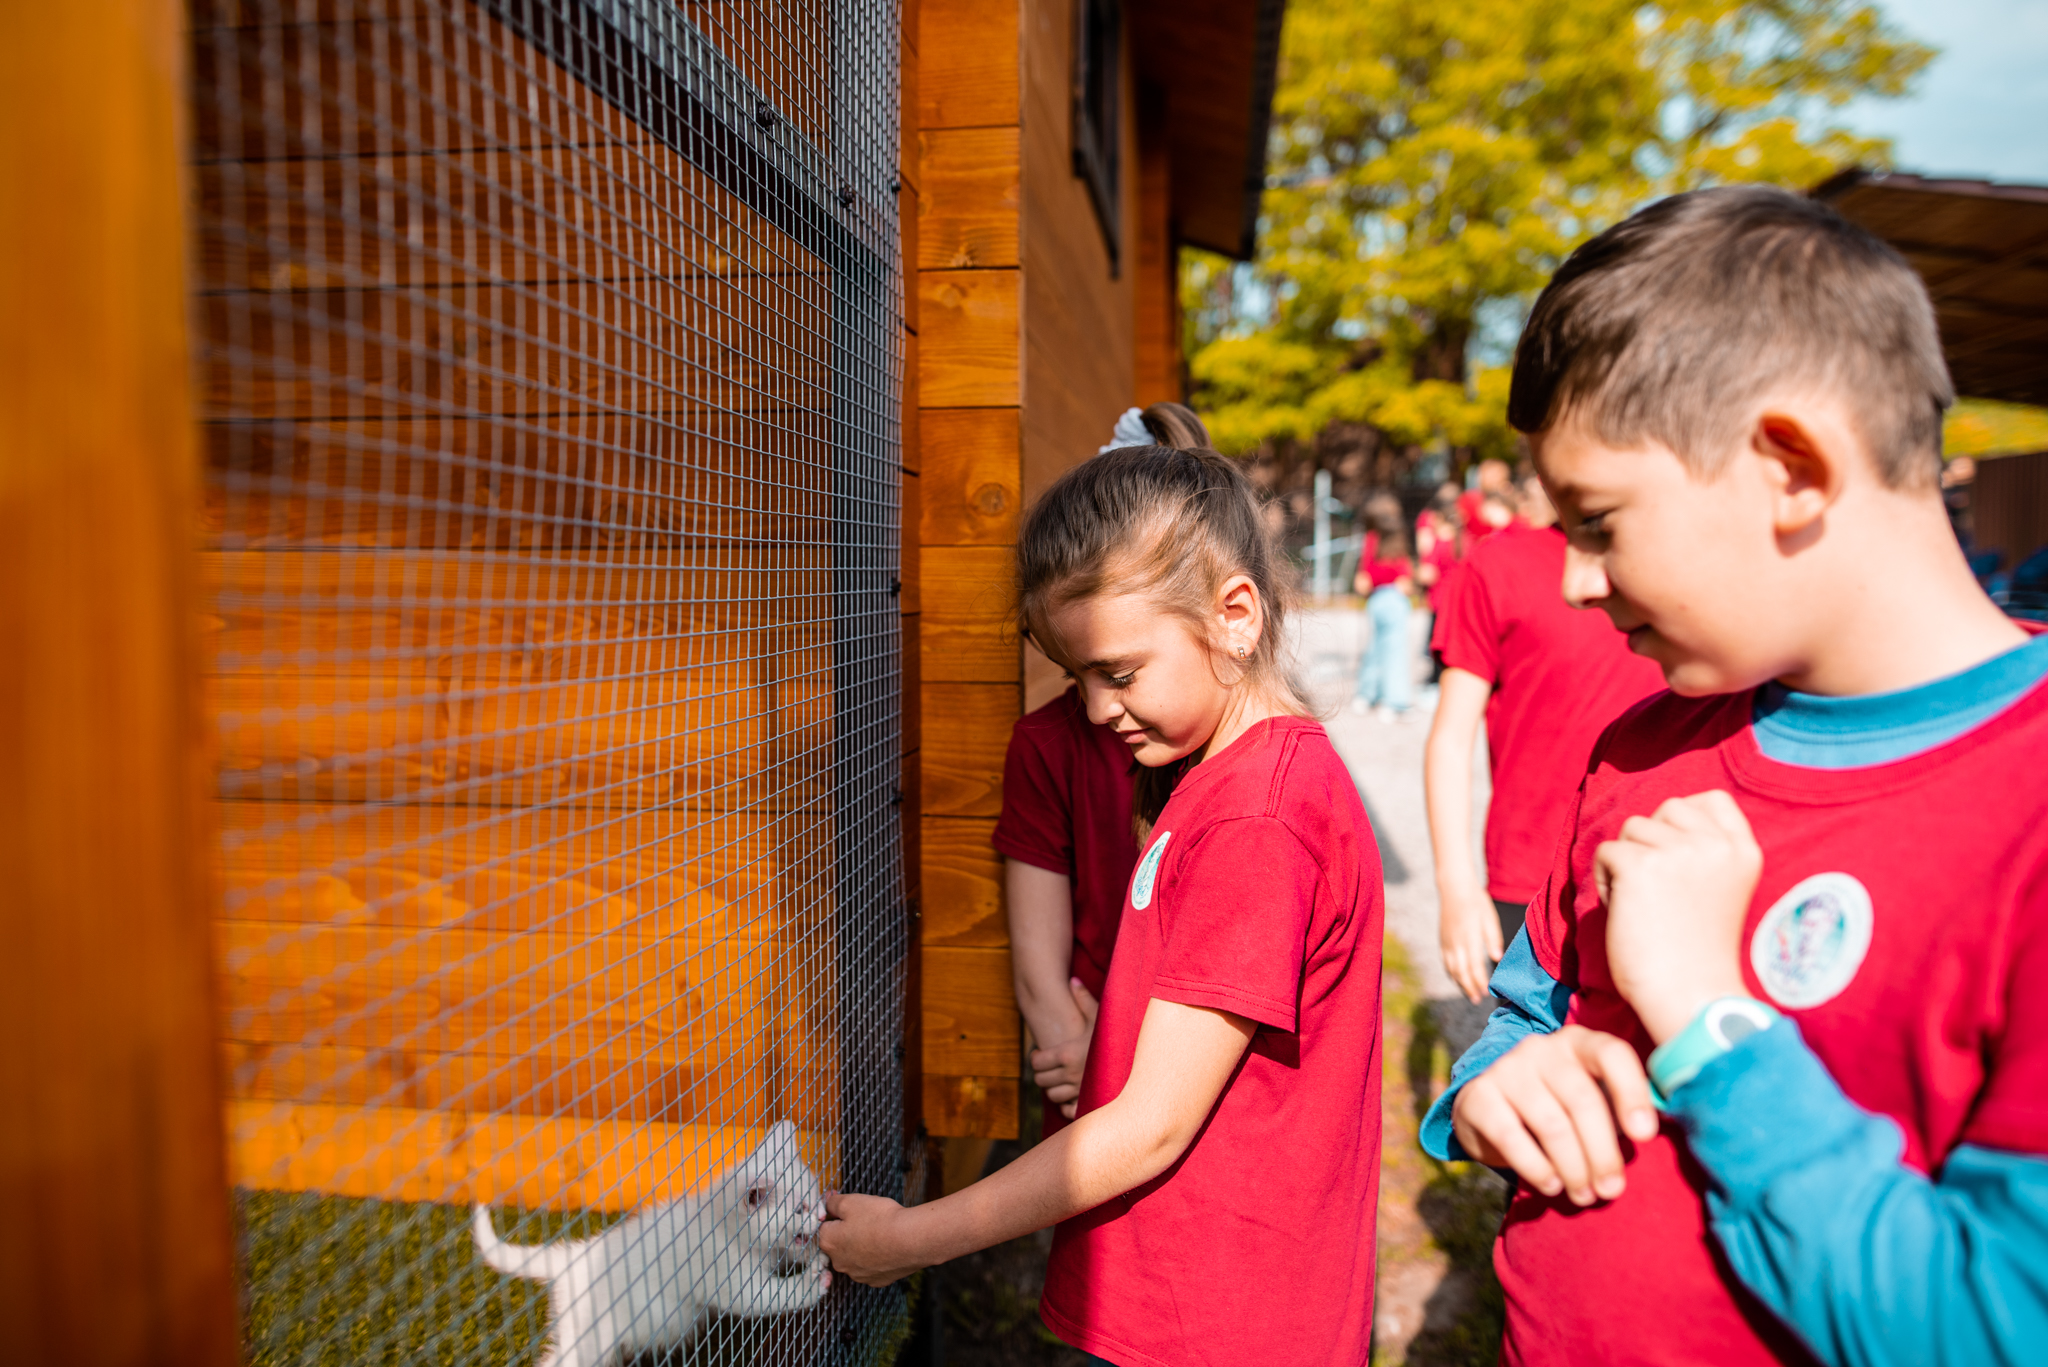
point(1148, 870)
point(1812, 940)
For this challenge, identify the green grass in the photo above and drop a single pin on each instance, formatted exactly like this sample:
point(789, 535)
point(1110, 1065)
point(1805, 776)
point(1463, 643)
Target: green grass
point(343, 1282)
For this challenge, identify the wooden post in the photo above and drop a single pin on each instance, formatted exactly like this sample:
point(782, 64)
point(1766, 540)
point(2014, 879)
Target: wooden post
point(113, 1181)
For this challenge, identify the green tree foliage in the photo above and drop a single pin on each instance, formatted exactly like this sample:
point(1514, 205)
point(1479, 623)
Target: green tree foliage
point(1433, 161)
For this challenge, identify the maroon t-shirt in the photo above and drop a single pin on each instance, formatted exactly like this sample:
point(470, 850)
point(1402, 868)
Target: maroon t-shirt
point(1559, 676)
point(1938, 1024)
point(1067, 808)
point(1260, 895)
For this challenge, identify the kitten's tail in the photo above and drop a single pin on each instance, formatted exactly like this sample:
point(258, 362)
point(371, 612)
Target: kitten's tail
point(516, 1260)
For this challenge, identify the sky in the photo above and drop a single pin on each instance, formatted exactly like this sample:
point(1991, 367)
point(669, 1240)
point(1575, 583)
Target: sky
point(1980, 110)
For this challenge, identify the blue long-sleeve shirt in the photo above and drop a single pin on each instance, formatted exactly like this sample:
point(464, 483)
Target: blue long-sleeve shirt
point(1868, 1260)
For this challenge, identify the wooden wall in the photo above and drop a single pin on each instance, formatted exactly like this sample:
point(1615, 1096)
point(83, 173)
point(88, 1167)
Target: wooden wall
point(117, 1245)
point(1026, 344)
point(969, 287)
point(2009, 505)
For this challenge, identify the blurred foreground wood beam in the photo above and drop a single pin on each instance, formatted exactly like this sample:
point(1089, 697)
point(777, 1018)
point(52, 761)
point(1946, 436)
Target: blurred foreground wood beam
point(118, 1246)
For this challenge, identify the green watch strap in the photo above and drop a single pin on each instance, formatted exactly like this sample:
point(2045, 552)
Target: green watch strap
point(1720, 1025)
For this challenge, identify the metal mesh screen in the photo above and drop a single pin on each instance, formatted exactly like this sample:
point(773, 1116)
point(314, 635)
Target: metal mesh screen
point(550, 383)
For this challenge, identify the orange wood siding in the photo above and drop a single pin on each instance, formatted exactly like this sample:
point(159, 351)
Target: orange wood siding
point(113, 1173)
point(969, 289)
point(1028, 351)
point(1156, 273)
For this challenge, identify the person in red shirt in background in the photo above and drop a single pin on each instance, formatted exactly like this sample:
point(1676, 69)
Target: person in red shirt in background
point(1386, 674)
point(1546, 679)
point(1068, 846)
point(1491, 482)
point(1068, 850)
point(1436, 563)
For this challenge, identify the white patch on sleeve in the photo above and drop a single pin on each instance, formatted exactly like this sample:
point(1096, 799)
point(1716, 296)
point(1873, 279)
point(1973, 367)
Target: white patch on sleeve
point(1148, 872)
point(1813, 939)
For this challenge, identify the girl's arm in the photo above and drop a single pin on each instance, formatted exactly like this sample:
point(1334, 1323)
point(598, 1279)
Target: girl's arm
point(1184, 1058)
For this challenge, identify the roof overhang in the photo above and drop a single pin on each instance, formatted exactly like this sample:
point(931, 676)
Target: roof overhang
point(1213, 62)
point(1982, 249)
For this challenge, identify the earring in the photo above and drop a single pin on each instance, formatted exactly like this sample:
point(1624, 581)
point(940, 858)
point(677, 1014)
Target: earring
point(1243, 653)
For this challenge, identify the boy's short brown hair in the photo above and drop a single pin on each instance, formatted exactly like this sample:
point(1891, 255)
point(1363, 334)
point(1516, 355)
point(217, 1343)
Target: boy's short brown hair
point(1671, 323)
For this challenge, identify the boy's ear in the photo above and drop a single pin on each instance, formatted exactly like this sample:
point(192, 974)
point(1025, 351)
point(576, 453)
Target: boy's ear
point(1804, 461)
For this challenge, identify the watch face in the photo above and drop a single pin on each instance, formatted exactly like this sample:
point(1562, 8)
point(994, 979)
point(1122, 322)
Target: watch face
point(1729, 1023)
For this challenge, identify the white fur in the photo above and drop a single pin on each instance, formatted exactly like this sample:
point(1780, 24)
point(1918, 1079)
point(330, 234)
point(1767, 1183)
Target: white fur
point(747, 1246)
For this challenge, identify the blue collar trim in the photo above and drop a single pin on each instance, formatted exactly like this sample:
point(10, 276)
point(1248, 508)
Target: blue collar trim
point(1879, 728)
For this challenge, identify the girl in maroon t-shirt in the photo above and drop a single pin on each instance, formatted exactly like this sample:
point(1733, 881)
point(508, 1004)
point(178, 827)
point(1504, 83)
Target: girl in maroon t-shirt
point(1216, 1192)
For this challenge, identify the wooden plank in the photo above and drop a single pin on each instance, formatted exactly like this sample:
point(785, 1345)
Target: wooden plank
point(586, 872)
point(970, 200)
point(968, 51)
point(459, 1157)
point(913, 684)
point(736, 1082)
point(966, 730)
point(970, 1012)
point(119, 1245)
point(913, 395)
point(970, 631)
point(971, 1107)
point(910, 601)
point(970, 338)
point(963, 884)
point(1156, 282)
point(972, 468)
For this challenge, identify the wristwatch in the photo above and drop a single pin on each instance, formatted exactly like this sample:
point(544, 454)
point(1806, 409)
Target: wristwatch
point(1720, 1025)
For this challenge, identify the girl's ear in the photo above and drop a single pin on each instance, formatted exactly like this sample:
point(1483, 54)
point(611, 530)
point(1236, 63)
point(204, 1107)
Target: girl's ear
point(1240, 616)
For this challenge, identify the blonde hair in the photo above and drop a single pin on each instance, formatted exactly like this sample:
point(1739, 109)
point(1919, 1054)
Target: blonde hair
point(1173, 524)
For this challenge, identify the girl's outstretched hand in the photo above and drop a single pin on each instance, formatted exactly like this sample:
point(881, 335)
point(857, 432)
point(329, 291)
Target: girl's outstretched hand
point(862, 1235)
point(1058, 1067)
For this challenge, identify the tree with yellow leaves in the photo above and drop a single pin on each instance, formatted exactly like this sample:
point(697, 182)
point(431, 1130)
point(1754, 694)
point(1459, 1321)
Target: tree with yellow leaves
point(1433, 161)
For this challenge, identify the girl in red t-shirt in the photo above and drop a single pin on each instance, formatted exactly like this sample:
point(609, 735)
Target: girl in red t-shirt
point(1216, 1192)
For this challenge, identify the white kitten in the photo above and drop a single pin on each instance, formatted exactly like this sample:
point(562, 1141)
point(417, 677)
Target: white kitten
point(747, 1246)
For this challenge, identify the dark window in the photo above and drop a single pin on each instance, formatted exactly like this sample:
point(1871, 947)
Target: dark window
point(1098, 101)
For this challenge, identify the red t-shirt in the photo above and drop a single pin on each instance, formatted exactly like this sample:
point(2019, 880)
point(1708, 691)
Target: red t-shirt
point(1384, 572)
point(1260, 895)
point(1067, 807)
point(1559, 676)
point(1941, 1025)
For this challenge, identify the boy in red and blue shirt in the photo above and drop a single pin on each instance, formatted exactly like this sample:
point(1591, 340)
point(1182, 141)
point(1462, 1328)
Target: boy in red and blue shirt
point(1801, 904)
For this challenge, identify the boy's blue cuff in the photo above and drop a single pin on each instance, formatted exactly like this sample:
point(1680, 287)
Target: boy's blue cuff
point(1765, 1107)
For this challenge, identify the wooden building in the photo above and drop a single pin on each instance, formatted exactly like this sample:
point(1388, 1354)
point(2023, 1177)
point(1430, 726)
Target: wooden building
point(507, 508)
point(1046, 240)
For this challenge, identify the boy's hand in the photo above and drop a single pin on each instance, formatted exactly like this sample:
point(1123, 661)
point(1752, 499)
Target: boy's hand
point(1058, 1068)
point(1677, 886)
point(1468, 927)
point(1539, 1109)
point(864, 1238)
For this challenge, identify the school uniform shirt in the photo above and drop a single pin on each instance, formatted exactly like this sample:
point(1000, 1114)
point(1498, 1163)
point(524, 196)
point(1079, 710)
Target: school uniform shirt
point(1259, 895)
point(1866, 1181)
point(1559, 676)
point(1067, 787)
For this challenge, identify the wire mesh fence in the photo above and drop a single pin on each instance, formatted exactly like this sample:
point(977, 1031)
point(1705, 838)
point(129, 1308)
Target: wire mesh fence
point(549, 374)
